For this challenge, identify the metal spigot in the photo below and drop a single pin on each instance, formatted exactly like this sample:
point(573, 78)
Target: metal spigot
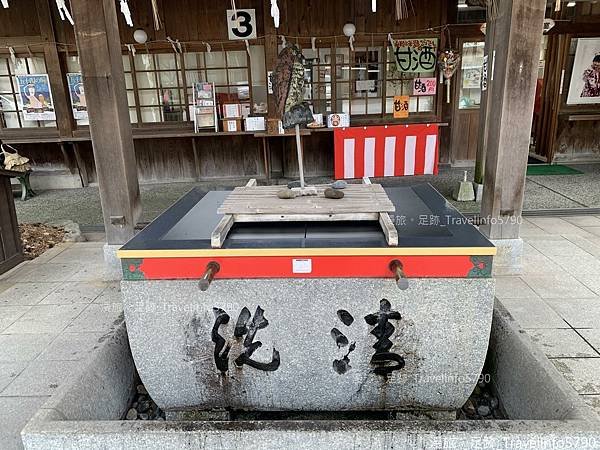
point(212, 268)
point(398, 270)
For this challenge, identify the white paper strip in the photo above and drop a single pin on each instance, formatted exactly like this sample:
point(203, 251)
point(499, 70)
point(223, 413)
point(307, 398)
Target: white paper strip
point(131, 49)
point(13, 56)
point(126, 12)
point(175, 44)
point(5, 3)
point(275, 12)
point(64, 12)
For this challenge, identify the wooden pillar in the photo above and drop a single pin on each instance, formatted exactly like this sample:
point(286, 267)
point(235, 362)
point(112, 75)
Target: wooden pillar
point(517, 37)
point(56, 75)
point(99, 46)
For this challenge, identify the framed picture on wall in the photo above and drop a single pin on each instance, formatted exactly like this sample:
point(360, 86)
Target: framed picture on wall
point(585, 78)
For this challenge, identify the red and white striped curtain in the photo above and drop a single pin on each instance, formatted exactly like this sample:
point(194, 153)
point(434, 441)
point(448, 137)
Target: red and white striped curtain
point(386, 151)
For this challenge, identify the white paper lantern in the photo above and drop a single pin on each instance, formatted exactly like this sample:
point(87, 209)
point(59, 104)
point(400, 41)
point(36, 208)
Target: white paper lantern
point(349, 29)
point(140, 36)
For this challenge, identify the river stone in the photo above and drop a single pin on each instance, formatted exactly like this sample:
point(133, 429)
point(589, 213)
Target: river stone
point(483, 410)
point(131, 414)
point(286, 194)
point(333, 194)
point(339, 184)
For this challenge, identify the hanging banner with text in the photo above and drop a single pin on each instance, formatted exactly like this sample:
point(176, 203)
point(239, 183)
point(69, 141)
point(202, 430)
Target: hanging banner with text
point(401, 103)
point(416, 55)
point(424, 86)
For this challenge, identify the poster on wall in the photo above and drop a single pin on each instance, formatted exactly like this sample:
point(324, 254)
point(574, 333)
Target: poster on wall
point(585, 79)
point(424, 86)
point(471, 79)
point(77, 94)
point(401, 105)
point(35, 99)
point(415, 55)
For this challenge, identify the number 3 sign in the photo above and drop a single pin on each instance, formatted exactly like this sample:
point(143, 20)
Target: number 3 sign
point(241, 24)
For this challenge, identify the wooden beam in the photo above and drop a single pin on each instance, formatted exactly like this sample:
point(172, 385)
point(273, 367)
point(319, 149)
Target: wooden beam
point(97, 36)
point(389, 229)
point(513, 75)
point(56, 74)
point(219, 234)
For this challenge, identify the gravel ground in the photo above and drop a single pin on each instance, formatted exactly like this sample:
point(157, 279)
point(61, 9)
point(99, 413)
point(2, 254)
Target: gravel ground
point(83, 205)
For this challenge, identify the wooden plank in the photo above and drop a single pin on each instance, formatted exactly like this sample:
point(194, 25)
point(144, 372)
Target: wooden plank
point(253, 218)
point(219, 234)
point(359, 198)
point(390, 231)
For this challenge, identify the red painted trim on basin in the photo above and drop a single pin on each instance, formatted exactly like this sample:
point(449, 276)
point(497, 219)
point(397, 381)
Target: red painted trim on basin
point(322, 267)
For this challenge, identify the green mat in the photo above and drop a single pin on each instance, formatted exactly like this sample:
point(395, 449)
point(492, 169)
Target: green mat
point(554, 169)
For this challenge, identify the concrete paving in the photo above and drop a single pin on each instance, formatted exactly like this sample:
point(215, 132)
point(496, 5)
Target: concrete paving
point(54, 309)
point(557, 299)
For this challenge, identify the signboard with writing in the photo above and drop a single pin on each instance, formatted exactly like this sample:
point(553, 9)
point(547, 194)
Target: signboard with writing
point(416, 55)
point(484, 74)
point(401, 103)
point(241, 24)
point(35, 97)
point(77, 93)
point(424, 86)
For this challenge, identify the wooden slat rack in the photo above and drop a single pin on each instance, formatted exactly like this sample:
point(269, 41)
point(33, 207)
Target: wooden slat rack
point(253, 203)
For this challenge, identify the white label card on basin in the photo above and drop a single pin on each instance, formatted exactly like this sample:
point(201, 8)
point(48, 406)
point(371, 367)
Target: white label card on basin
point(302, 265)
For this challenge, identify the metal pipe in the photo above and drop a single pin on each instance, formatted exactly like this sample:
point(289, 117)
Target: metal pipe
point(398, 270)
point(212, 268)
